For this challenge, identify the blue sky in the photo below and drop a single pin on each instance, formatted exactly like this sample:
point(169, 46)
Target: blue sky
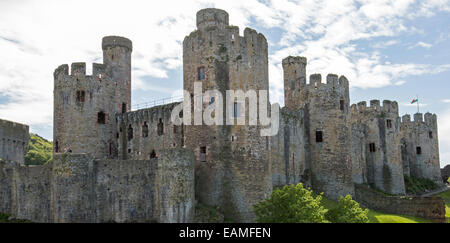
point(387, 49)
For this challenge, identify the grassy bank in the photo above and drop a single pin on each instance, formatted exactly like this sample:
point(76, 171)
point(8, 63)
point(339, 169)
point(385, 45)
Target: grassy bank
point(377, 217)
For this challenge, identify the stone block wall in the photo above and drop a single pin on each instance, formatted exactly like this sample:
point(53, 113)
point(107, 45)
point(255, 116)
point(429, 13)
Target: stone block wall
point(377, 153)
point(13, 141)
point(85, 106)
point(288, 150)
point(232, 163)
point(151, 131)
point(421, 147)
point(79, 188)
point(432, 208)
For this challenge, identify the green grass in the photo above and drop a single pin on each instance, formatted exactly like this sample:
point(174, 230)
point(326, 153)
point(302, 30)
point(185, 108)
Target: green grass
point(377, 217)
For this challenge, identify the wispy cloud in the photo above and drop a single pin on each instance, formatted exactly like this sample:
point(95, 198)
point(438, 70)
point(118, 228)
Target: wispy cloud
point(37, 37)
point(446, 100)
point(421, 44)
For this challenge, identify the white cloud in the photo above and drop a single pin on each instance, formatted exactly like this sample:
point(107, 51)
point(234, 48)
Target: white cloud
point(421, 44)
point(38, 36)
point(446, 100)
point(382, 45)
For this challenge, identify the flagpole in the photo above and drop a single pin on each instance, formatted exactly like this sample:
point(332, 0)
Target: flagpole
point(418, 109)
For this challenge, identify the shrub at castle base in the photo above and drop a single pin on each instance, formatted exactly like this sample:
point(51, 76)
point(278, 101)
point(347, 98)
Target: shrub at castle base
point(295, 204)
point(291, 204)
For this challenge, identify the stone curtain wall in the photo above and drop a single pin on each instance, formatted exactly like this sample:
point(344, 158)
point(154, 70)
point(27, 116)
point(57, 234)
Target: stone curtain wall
point(425, 207)
point(77, 188)
point(13, 141)
point(152, 131)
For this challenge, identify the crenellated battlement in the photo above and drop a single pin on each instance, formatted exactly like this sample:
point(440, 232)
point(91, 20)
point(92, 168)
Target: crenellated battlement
point(375, 106)
point(333, 82)
point(78, 72)
point(418, 118)
point(294, 60)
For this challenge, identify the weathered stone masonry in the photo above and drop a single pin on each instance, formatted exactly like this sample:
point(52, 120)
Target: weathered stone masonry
point(13, 141)
point(79, 188)
point(137, 166)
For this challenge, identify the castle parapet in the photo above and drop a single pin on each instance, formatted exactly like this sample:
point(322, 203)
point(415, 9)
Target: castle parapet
point(406, 118)
point(388, 107)
point(291, 60)
point(375, 105)
point(418, 117)
point(212, 17)
point(113, 41)
point(332, 79)
point(78, 69)
point(315, 80)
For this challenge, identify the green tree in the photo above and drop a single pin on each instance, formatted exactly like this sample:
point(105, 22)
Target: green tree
point(347, 211)
point(39, 150)
point(291, 204)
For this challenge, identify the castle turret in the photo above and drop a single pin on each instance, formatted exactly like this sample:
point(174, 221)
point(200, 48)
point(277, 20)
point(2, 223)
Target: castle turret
point(294, 71)
point(85, 105)
point(420, 147)
point(228, 168)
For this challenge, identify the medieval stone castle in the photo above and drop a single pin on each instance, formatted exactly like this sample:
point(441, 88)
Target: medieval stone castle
point(114, 164)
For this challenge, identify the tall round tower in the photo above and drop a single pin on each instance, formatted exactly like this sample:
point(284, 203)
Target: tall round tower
point(85, 105)
point(232, 168)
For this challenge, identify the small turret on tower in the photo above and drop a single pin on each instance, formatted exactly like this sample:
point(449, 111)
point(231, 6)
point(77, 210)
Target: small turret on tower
point(294, 70)
point(212, 17)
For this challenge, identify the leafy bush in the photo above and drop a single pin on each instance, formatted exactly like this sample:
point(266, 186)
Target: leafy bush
point(347, 211)
point(39, 150)
point(291, 204)
point(415, 185)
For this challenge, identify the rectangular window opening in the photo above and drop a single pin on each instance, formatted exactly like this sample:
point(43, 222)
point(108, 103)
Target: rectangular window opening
point(319, 136)
point(341, 105)
point(389, 123)
point(201, 73)
point(81, 96)
point(101, 117)
point(372, 147)
point(419, 150)
point(203, 154)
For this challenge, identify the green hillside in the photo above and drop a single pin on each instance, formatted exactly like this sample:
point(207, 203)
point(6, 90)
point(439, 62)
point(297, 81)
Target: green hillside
point(39, 150)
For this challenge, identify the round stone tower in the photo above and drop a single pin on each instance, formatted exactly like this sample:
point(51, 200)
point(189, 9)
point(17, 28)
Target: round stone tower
point(232, 168)
point(85, 105)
